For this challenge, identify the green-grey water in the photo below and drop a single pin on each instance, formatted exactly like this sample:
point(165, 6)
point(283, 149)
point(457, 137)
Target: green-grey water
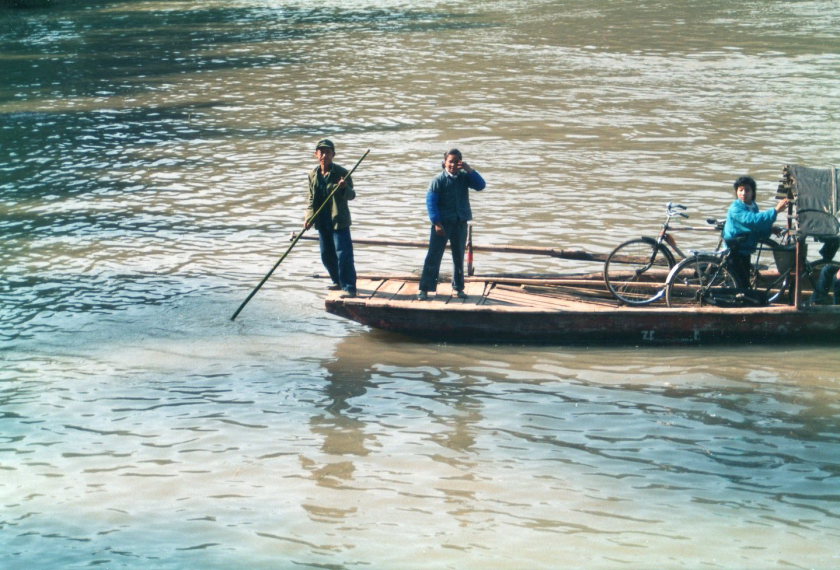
point(153, 159)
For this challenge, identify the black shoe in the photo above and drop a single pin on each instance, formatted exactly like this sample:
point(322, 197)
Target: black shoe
point(333, 287)
point(349, 294)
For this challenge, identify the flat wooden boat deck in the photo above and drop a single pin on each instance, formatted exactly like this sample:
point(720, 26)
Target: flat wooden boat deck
point(569, 310)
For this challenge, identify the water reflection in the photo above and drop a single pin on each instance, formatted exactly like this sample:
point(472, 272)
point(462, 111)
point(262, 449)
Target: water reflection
point(342, 433)
point(597, 455)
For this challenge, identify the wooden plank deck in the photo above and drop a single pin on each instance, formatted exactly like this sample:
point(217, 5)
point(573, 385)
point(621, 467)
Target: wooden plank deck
point(489, 293)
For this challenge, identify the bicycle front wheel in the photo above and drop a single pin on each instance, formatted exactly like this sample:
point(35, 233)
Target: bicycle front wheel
point(691, 281)
point(635, 271)
point(771, 271)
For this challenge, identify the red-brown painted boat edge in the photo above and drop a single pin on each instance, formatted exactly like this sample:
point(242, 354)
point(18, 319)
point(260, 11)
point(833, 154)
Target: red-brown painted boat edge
point(623, 325)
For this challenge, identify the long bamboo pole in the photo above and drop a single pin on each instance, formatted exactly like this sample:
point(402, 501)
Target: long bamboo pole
point(294, 242)
point(529, 250)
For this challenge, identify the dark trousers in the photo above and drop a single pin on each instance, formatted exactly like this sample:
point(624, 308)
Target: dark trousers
point(829, 248)
point(739, 266)
point(456, 236)
point(827, 282)
point(337, 255)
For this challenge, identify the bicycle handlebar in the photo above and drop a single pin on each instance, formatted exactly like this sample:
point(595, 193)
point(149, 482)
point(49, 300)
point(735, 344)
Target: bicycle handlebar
point(672, 210)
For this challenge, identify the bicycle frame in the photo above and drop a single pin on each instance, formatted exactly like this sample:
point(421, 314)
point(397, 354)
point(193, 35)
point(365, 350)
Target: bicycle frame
point(667, 236)
point(630, 270)
point(784, 259)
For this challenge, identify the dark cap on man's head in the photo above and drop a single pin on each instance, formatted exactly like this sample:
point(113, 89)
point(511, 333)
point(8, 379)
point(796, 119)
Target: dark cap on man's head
point(325, 143)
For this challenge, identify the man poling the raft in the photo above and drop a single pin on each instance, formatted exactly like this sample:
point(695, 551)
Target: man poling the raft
point(323, 183)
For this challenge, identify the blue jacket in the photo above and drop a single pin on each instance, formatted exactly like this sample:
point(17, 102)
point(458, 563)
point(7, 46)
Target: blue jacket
point(448, 198)
point(748, 225)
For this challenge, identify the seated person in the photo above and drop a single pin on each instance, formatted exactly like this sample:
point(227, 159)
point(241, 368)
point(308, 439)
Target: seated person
point(829, 247)
point(745, 225)
point(829, 279)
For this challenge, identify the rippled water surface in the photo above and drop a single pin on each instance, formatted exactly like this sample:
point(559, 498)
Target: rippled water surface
point(153, 159)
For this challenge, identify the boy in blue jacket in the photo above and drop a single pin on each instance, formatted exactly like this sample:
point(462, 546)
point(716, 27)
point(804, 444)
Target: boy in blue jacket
point(745, 225)
point(448, 203)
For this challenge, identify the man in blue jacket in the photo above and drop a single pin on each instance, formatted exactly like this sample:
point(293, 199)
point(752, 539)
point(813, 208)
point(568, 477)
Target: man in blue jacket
point(448, 203)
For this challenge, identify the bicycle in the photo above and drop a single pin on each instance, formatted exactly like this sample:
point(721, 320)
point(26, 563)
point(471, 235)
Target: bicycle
point(635, 271)
point(704, 278)
point(773, 274)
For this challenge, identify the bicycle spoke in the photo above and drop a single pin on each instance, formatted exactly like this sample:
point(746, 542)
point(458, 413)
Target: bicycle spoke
point(635, 271)
point(694, 281)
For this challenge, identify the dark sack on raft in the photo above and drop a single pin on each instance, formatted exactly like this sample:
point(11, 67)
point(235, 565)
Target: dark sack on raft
point(817, 199)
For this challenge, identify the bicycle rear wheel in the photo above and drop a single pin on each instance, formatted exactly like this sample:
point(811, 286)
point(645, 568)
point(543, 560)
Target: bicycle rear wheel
point(691, 281)
point(635, 271)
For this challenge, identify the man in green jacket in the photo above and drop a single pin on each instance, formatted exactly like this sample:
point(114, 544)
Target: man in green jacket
point(333, 223)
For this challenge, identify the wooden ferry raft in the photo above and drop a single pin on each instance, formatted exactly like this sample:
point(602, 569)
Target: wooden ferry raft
point(573, 310)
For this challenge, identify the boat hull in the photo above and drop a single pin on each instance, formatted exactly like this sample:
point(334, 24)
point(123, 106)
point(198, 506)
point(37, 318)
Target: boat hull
point(582, 322)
